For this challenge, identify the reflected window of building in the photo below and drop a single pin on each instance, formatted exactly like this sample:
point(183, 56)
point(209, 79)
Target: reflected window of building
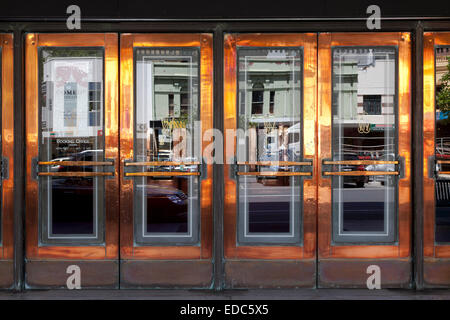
point(364, 117)
point(258, 98)
point(372, 104)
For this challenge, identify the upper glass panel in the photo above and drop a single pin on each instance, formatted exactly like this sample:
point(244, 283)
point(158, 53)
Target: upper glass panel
point(71, 129)
point(442, 187)
point(270, 130)
point(167, 92)
point(364, 128)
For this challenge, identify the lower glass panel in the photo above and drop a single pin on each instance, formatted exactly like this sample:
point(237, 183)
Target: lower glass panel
point(270, 209)
point(165, 209)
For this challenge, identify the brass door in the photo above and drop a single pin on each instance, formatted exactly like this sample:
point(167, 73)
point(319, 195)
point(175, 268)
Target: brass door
point(166, 181)
point(72, 205)
point(332, 169)
point(7, 162)
point(436, 234)
point(271, 168)
point(364, 155)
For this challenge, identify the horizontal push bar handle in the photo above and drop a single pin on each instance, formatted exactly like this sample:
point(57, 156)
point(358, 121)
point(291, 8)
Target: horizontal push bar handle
point(75, 174)
point(274, 163)
point(161, 174)
point(361, 173)
point(274, 174)
point(359, 162)
point(443, 172)
point(443, 161)
point(76, 163)
point(161, 163)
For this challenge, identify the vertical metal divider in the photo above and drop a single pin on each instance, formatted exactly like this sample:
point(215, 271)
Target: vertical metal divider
point(19, 161)
point(218, 169)
point(417, 159)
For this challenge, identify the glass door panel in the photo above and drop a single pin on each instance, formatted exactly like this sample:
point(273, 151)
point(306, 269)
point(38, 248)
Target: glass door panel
point(270, 83)
point(72, 149)
point(7, 162)
point(364, 188)
point(436, 159)
point(166, 188)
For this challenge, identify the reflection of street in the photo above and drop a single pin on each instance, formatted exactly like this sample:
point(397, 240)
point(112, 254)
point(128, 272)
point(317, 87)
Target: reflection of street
point(363, 208)
point(268, 206)
point(372, 192)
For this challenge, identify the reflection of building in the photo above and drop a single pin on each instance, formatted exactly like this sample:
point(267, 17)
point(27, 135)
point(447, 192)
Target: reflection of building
point(72, 97)
point(364, 82)
point(269, 96)
point(166, 100)
point(442, 127)
point(364, 86)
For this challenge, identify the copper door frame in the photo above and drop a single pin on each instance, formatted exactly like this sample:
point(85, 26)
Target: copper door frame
point(128, 42)
point(403, 248)
point(110, 43)
point(436, 269)
point(7, 209)
point(308, 250)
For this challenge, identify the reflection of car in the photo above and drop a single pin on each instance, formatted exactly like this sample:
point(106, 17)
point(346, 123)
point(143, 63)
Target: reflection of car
point(360, 181)
point(383, 167)
point(86, 155)
point(166, 206)
point(72, 204)
point(57, 167)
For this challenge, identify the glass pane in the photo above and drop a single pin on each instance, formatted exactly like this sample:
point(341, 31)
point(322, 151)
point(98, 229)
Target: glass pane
point(71, 126)
point(269, 130)
point(442, 190)
point(166, 207)
point(364, 128)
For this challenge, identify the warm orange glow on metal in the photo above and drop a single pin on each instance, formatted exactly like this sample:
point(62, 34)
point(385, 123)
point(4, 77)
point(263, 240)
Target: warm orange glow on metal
point(7, 136)
point(128, 42)
point(160, 163)
point(76, 163)
point(309, 44)
point(274, 163)
point(443, 172)
point(75, 174)
point(110, 43)
point(360, 162)
point(431, 250)
point(274, 174)
point(326, 42)
point(361, 173)
point(161, 174)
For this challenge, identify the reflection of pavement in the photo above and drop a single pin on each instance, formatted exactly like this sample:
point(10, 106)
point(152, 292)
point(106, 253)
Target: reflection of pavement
point(257, 192)
point(364, 194)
